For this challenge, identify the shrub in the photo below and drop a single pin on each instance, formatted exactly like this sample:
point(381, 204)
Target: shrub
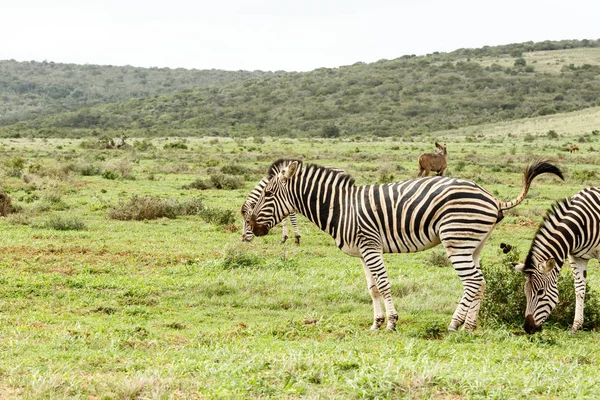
point(110, 174)
point(504, 301)
point(199, 184)
point(63, 223)
point(228, 182)
point(235, 257)
point(217, 216)
point(438, 258)
point(552, 134)
point(140, 208)
point(584, 175)
point(5, 204)
point(176, 145)
point(234, 169)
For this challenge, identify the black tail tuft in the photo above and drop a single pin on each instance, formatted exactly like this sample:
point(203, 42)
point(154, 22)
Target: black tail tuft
point(541, 167)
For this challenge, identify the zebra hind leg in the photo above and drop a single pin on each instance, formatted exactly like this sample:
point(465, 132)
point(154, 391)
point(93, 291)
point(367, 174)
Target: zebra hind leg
point(473, 286)
point(379, 287)
point(473, 313)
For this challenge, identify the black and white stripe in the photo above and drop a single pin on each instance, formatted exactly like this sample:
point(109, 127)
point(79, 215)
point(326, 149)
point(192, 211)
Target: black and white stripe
point(571, 229)
point(410, 216)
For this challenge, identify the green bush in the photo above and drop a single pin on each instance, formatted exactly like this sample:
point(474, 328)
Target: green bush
point(63, 223)
point(110, 174)
point(217, 216)
point(176, 145)
point(240, 258)
point(141, 208)
point(438, 258)
point(227, 182)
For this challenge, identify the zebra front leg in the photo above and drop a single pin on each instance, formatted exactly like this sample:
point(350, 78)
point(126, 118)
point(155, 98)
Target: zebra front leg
point(579, 276)
point(378, 317)
point(284, 230)
point(294, 222)
point(373, 262)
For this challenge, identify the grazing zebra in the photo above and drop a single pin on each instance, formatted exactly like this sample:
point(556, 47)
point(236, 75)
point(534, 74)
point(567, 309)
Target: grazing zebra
point(246, 211)
point(404, 217)
point(570, 229)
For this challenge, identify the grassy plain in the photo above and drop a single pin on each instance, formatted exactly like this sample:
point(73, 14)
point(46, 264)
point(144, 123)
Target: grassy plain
point(180, 308)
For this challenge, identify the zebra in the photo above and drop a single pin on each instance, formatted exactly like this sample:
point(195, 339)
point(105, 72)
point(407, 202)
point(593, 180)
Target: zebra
point(410, 216)
point(571, 228)
point(248, 206)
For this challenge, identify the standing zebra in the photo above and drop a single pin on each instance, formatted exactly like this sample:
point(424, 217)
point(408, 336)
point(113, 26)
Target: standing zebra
point(405, 217)
point(570, 229)
point(248, 206)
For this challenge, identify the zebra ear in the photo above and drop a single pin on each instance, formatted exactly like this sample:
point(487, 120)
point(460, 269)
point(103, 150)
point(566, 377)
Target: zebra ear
point(289, 171)
point(519, 267)
point(437, 145)
point(549, 266)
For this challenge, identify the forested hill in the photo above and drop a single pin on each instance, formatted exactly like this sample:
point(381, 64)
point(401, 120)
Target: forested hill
point(30, 89)
point(406, 96)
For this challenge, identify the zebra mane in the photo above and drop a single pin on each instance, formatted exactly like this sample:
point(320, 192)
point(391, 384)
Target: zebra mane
point(554, 213)
point(280, 164)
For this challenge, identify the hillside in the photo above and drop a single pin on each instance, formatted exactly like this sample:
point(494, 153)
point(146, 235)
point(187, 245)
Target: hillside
point(406, 96)
point(31, 89)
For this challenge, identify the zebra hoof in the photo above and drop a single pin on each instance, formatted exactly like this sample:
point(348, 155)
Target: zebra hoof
point(284, 238)
point(298, 239)
point(453, 327)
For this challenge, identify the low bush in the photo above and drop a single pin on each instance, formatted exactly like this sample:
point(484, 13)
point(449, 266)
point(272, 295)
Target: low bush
point(63, 223)
point(176, 145)
point(217, 181)
point(504, 301)
point(148, 207)
point(218, 216)
point(5, 204)
point(438, 258)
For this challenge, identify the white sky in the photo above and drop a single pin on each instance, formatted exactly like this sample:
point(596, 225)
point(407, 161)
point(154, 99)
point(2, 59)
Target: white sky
point(298, 35)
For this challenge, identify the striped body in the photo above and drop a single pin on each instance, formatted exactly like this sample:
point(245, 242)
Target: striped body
point(410, 216)
point(571, 229)
point(248, 206)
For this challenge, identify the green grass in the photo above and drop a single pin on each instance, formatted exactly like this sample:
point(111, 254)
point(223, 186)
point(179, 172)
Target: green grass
point(180, 308)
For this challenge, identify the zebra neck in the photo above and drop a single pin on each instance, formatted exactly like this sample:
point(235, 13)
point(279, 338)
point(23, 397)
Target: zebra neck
point(323, 196)
point(556, 240)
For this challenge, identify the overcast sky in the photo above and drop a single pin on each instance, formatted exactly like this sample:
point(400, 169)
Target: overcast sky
point(298, 35)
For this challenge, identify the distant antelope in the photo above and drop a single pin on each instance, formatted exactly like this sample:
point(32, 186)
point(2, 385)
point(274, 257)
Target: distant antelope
point(572, 148)
point(433, 161)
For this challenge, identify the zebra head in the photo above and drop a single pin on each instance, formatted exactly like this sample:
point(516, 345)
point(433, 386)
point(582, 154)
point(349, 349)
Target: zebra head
point(274, 203)
point(541, 290)
point(247, 234)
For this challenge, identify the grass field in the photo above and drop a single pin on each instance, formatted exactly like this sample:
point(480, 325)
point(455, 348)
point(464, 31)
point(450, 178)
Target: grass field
point(93, 307)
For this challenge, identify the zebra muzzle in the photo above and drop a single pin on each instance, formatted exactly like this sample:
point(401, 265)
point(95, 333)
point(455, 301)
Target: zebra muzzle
point(530, 325)
point(258, 229)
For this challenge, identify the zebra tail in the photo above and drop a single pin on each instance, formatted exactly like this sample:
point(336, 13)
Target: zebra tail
point(534, 169)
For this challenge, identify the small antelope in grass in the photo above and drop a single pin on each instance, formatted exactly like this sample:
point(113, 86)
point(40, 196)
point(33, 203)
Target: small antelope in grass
point(433, 161)
point(572, 148)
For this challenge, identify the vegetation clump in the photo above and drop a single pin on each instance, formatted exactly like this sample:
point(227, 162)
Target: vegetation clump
point(63, 223)
point(217, 181)
point(148, 207)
